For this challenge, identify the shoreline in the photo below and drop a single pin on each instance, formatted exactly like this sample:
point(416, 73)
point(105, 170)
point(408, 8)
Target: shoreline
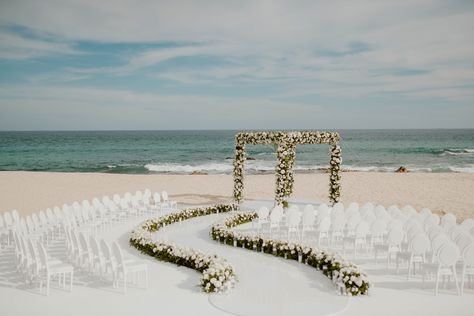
point(441, 192)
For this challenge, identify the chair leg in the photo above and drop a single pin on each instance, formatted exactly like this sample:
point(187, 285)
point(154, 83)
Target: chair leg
point(409, 268)
point(423, 279)
point(456, 279)
point(47, 284)
point(396, 263)
point(437, 282)
point(463, 276)
point(70, 285)
point(124, 281)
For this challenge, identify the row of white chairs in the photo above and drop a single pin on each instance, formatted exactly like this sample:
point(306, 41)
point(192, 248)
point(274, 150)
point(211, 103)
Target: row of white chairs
point(103, 261)
point(37, 267)
point(33, 262)
point(375, 229)
point(32, 235)
point(93, 216)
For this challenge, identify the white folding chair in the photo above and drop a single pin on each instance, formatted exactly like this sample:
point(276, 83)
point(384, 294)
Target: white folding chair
point(49, 270)
point(128, 267)
point(322, 229)
point(447, 257)
point(359, 239)
point(293, 225)
point(468, 265)
point(262, 219)
point(307, 221)
point(275, 220)
point(173, 204)
point(392, 245)
point(416, 253)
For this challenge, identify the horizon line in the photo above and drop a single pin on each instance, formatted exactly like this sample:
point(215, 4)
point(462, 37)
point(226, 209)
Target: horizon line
point(232, 129)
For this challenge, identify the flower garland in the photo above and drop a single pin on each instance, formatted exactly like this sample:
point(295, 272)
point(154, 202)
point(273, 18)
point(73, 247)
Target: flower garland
point(345, 275)
point(285, 146)
point(218, 274)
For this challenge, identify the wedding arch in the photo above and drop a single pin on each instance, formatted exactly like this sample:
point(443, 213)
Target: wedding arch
point(285, 144)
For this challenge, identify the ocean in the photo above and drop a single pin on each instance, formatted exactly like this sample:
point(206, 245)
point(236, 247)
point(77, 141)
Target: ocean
point(185, 152)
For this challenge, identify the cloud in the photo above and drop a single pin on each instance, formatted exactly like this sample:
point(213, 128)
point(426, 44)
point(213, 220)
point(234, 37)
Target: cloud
point(92, 108)
point(257, 52)
point(14, 46)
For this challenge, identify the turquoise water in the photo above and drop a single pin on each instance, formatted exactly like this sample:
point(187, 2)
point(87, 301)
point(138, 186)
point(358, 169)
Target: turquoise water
point(211, 151)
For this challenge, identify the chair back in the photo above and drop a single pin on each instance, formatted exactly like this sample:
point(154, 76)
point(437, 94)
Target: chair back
point(353, 221)
point(29, 224)
point(35, 219)
point(294, 219)
point(156, 197)
point(395, 224)
point(85, 204)
point(448, 220)
point(395, 236)
point(324, 224)
point(75, 241)
point(118, 254)
point(425, 213)
point(43, 218)
point(448, 254)
point(366, 208)
point(439, 241)
point(16, 216)
point(338, 222)
point(43, 256)
point(408, 210)
point(165, 196)
point(94, 246)
point(263, 212)
point(351, 209)
point(362, 229)
point(370, 217)
point(455, 231)
point(31, 249)
point(276, 214)
point(308, 217)
point(379, 209)
point(419, 244)
point(467, 224)
point(105, 248)
point(338, 207)
point(468, 255)
point(308, 208)
point(323, 210)
point(378, 227)
point(116, 198)
point(434, 231)
point(83, 242)
point(8, 218)
point(463, 241)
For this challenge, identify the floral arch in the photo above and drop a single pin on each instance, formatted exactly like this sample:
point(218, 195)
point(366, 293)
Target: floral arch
point(285, 143)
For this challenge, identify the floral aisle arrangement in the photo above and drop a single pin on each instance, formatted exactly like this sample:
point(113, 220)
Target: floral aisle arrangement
point(285, 143)
point(346, 276)
point(217, 273)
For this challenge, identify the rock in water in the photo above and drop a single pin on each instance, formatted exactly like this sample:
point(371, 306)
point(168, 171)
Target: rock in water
point(402, 169)
point(198, 173)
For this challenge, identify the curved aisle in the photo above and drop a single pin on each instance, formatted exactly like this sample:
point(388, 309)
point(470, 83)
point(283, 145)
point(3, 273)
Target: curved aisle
point(266, 285)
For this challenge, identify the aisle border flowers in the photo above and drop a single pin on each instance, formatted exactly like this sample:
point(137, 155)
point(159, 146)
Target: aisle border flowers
point(346, 276)
point(217, 274)
point(285, 143)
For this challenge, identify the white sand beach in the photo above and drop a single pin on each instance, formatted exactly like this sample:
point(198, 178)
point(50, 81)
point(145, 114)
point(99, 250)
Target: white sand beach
point(441, 192)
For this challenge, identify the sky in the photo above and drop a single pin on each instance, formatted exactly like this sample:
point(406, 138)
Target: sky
point(121, 65)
